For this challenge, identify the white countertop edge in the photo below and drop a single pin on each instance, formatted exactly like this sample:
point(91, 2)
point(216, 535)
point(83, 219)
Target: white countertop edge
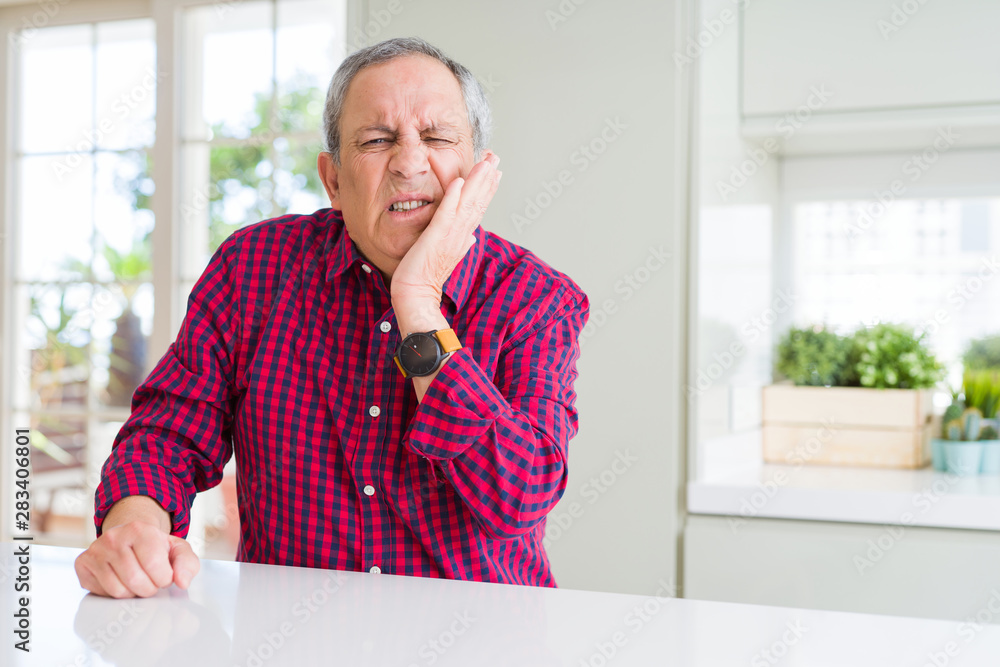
point(746, 497)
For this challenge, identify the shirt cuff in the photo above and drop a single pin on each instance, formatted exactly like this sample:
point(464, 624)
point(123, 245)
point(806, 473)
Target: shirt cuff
point(143, 479)
point(460, 405)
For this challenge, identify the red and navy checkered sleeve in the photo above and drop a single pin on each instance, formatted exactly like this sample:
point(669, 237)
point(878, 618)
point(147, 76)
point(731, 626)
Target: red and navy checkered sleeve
point(503, 444)
point(177, 439)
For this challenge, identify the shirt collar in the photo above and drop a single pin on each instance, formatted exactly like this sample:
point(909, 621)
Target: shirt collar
point(342, 253)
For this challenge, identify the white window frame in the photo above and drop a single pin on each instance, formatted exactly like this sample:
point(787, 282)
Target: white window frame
point(165, 154)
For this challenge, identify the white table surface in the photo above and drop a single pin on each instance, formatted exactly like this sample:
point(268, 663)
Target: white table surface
point(257, 615)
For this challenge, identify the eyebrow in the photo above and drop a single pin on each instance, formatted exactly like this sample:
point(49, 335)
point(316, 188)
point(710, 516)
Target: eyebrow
point(433, 127)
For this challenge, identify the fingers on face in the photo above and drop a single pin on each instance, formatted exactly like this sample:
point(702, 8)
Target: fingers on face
point(481, 186)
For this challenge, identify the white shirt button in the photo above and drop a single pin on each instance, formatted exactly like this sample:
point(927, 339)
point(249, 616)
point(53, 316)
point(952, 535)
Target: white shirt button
point(366, 268)
point(369, 490)
point(374, 411)
point(385, 327)
point(375, 569)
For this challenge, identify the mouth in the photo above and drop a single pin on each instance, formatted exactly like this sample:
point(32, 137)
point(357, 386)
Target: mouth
point(406, 206)
point(410, 208)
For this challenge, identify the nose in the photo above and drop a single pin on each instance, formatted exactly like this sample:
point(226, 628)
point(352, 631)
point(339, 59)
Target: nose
point(409, 158)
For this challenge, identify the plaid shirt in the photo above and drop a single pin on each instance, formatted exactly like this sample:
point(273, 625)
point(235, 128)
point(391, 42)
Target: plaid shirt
point(285, 359)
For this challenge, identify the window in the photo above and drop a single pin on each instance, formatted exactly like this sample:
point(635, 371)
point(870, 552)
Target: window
point(927, 262)
point(927, 257)
point(84, 298)
point(257, 74)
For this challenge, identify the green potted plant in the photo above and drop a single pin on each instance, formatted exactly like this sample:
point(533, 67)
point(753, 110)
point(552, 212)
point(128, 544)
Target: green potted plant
point(963, 451)
point(814, 357)
point(981, 387)
point(870, 390)
point(982, 354)
point(953, 413)
point(991, 450)
point(892, 356)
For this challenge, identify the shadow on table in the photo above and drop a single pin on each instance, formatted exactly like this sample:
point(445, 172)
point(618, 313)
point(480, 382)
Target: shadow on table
point(299, 616)
point(168, 629)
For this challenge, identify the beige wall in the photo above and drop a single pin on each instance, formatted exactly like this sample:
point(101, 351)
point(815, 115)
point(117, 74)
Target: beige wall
point(605, 75)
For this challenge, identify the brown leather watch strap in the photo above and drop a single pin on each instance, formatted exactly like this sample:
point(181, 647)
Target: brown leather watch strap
point(448, 339)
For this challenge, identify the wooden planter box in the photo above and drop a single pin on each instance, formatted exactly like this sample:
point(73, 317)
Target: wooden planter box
point(883, 428)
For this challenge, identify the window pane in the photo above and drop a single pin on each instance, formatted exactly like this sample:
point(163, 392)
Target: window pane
point(735, 250)
point(54, 222)
point(925, 262)
point(123, 219)
point(197, 192)
point(121, 339)
point(126, 84)
point(59, 444)
point(297, 188)
point(57, 90)
point(229, 68)
point(57, 325)
point(310, 41)
point(59, 471)
point(243, 189)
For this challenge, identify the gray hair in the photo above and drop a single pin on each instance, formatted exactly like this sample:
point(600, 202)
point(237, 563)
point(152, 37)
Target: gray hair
point(476, 104)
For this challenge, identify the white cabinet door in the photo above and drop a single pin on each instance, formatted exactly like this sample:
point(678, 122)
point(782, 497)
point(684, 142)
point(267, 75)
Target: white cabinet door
point(869, 54)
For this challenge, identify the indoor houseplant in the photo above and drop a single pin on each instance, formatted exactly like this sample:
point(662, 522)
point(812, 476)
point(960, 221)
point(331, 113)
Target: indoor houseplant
point(868, 393)
point(963, 451)
point(982, 354)
point(982, 392)
point(991, 450)
point(953, 412)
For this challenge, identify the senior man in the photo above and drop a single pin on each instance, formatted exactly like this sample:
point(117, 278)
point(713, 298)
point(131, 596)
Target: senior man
point(395, 382)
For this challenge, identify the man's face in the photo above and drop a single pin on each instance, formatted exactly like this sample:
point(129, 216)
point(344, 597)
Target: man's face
point(405, 136)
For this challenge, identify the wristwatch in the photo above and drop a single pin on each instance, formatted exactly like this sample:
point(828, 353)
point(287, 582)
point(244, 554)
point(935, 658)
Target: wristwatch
point(422, 353)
